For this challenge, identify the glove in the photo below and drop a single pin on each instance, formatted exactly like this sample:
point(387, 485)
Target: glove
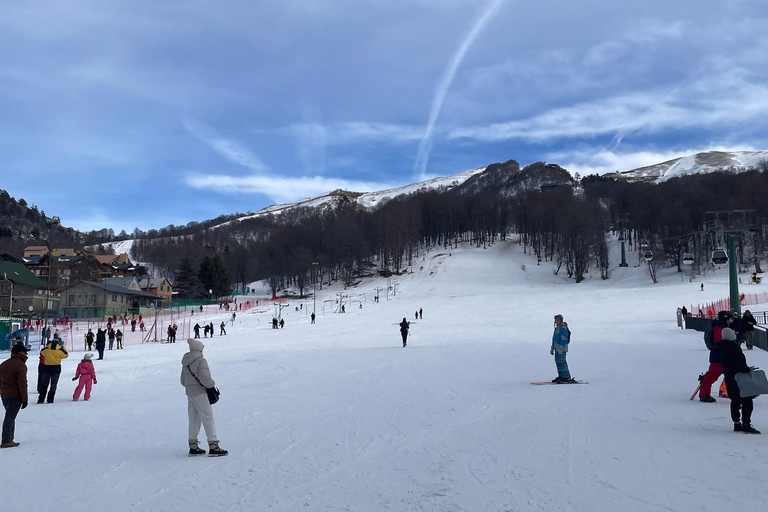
point(94, 381)
point(74, 379)
point(551, 351)
point(24, 405)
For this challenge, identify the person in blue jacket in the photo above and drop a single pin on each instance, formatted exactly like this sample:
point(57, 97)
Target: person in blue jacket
point(560, 339)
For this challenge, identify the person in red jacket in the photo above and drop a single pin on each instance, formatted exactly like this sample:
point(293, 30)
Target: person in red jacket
point(13, 391)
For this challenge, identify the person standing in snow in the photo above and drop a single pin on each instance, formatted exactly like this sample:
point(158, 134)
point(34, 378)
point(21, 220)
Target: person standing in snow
point(282, 323)
point(89, 339)
point(560, 339)
point(53, 353)
point(223, 330)
point(13, 391)
point(87, 375)
point(101, 341)
point(312, 317)
point(421, 314)
point(404, 326)
point(196, 377)
point(749, 324)
point(734, 362)
point(119, 338)
point(715, 370)
point(210, 329)
point(111, 336)
point(196, 328)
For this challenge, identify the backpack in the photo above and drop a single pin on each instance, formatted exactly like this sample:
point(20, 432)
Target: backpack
point(569, 333)
point(709, 336)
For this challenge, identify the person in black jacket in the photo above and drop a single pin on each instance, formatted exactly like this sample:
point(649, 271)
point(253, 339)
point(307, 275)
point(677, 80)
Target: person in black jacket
point(750, 324)
point(404, 326)
point(101, 341)
point(734, 362)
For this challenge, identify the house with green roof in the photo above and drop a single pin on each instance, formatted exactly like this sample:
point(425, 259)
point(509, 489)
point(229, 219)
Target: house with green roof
point(20, 288)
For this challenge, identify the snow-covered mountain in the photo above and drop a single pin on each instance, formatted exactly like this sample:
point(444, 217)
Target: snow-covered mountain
point(694, 164)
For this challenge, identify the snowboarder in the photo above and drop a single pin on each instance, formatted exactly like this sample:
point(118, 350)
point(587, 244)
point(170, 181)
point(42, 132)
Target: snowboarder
point(196, 377)
point(87, 375)
point(404, 326)
point(560, 339)
point(53, 353)
point(223, 330)
point(715, 357)
point(119, 338)
point(734, 362)
point(13, 390)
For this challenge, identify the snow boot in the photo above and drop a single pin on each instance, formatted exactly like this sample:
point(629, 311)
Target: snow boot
point(214, 450)
point(195, 450)
point(737, 427)
point(12, 444)
point(747, 428)
point(557, 380)
point(707, 399)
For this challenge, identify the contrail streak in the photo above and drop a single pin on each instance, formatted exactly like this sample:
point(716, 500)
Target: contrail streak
point(425, 146)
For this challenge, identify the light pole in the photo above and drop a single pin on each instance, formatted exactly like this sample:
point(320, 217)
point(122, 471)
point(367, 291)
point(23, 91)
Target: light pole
point(53, 221)
point(314, 282)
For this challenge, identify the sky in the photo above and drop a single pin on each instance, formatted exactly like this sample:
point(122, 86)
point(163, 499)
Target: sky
point(136, 113)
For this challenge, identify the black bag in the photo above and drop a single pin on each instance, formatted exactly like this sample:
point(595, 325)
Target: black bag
point(213, 393)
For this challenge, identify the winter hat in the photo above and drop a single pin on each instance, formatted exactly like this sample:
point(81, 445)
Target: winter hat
point(728, 334)
point(18, 349)
point(87, 357)
point(195, 345)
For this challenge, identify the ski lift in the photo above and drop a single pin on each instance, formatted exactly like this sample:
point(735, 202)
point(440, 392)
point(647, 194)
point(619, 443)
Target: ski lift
point(719, 258)
point(648, 255)
point(643, 243)
point(687, 258)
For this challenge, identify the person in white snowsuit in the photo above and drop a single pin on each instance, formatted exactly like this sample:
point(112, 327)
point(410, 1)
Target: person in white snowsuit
point(196, 377)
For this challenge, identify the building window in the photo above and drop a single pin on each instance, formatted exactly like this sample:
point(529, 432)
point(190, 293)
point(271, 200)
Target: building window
point(114, 298)
point(71, 299)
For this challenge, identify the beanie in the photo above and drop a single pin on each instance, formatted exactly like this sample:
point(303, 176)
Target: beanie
point(728, 334)
point(18, 349)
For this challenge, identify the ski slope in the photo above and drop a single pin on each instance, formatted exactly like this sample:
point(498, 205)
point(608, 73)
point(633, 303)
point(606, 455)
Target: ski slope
point(338, 416)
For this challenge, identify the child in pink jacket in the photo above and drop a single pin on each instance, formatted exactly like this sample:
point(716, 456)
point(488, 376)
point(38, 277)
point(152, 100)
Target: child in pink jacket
point(87, 375)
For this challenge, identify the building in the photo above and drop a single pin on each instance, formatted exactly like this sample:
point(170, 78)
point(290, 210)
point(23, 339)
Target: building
point(99, 299)
point(35, 250)
point(20, 289)
point(158, 287)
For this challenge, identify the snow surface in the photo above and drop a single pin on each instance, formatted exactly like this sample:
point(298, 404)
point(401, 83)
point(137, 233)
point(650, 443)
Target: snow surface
point(695, 164)
point(338, 416)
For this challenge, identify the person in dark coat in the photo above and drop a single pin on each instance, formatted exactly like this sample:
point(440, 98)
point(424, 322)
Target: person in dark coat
point(101, 341)
point(89, 339)
point(312, 317)
point(749, 323)
point(282, 323)
point(404, 326)
point(715, 358)
point(119, 338)
point(196, 328)
point(734, 362)
point(684, 311)
point(739, 327)
point(13, 391)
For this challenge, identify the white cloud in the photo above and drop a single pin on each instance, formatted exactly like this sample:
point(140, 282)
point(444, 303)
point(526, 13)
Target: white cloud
point(280, 189)
point(227, 148)
point(351, 132)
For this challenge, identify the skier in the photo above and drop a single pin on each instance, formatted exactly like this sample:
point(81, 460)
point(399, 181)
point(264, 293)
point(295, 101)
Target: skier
point(734, 362)
point(715, 357)
point(119, 338)
point(13, 390)
point(223, 330)
point(87, 375)
point(196, 377)
point(53, 354)
point(560, 339)
point(404, 326)
point(101, 341)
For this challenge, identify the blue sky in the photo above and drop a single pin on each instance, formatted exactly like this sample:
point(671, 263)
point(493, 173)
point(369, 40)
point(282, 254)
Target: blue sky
point(139, 113)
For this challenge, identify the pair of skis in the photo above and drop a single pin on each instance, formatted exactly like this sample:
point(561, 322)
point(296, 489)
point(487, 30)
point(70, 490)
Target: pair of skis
point(558, 383)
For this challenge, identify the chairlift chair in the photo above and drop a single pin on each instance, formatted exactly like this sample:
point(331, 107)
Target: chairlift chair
point(687, 258)
point(719, 258)
point(648, 255)
point(643, 243)
point(621, 237)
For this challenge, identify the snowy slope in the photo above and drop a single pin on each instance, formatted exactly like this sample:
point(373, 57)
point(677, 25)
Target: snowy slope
point(695, 164)
point(338, 416)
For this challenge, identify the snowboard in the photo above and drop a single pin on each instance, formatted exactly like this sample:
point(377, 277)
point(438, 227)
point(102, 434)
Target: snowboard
point(558, 383)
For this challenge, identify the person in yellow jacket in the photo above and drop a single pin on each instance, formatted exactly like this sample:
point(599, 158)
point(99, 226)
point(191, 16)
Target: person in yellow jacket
point(53, 353)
